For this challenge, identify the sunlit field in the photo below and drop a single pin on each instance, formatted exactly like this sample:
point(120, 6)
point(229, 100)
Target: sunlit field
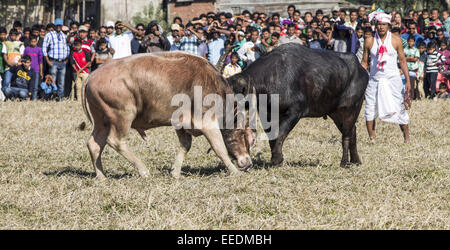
point(47, 180)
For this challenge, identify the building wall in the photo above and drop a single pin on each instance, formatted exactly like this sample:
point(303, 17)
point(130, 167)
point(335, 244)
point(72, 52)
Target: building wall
point(124, 10)
point(280, 6)
point(189, 10)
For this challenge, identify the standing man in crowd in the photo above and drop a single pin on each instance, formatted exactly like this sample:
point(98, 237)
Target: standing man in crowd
point(249, 51)
point(361, 14)
point(191, 40)
point(56, 52)
point(121, 41)
point(137, 40)
point(175, 37)
point(216, 45)
point(290, 36)
point(412, 31)
point(384, 94)
point(154, 40)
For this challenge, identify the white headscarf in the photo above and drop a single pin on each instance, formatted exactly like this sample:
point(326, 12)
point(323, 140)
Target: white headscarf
point(380, 16)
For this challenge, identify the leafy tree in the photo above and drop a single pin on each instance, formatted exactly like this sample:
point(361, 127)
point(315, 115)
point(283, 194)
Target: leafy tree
point(151, 13)
point(403, 6)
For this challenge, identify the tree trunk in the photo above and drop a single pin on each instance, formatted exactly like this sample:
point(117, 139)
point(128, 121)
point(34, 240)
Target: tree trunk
point(25, 16)
point(53, 11)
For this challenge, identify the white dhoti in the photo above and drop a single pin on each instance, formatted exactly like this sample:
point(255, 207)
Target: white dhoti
point(384, 99)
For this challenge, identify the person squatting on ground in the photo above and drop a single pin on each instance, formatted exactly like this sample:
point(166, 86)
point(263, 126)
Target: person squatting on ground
point(22, 80)
point(384, 94)
point(48, 88)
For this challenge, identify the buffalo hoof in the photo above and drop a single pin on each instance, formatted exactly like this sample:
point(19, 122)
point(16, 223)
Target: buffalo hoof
point(358, 162)
point(277, 161)
point(144, 173)
point(100, 177)
point(345, 164)
point(234, 173)
point(175, 174)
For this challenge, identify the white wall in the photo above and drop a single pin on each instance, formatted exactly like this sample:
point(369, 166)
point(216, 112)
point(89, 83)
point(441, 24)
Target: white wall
point(123, 10)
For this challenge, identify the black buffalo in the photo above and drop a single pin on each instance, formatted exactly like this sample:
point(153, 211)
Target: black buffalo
point(310, 83)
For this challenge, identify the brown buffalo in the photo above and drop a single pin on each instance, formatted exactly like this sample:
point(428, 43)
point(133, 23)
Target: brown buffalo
point(136, 92)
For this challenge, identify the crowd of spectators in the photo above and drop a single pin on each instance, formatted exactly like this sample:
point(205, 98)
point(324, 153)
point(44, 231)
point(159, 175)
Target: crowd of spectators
point(51, 61)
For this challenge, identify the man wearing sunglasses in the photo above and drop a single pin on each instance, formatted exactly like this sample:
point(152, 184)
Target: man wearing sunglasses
point(412, 31)
point(121, 41)
point(136, 47)
point(56, 52)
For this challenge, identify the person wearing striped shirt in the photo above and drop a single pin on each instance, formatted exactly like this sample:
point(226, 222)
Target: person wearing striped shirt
point(190, 42)
point(432, 69)
point(56, 51)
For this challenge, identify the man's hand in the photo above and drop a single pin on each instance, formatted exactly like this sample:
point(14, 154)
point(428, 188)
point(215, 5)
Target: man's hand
point(407, 88)
point(41, 75)
point(120, 25)
point(50, 64)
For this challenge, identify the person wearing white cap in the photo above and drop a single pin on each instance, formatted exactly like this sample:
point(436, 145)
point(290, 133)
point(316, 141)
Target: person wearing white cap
point(385, 95)
point(174, 38)
point(109, 28)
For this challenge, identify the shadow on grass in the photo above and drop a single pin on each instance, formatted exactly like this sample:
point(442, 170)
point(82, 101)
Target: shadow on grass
point(70, 171)
point(259, 163)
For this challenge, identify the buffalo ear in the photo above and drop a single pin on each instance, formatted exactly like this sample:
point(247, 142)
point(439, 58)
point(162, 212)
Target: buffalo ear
point(250, 136)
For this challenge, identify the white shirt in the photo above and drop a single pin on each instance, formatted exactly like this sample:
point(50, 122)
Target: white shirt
point(121, 44)
point(246, 52)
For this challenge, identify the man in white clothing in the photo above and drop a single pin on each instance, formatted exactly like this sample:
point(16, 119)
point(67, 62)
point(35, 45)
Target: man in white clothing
point(385, 96)
point(121, 41)
point(249, 51)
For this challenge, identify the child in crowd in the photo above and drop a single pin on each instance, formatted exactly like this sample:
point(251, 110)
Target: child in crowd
point(412, 55)
point(21, 83)
point(442, 94)
point(433, 58)
point(103, 53)
point(36, 63)
point(233, 67)
point(420, 71)
point(48, 88)
point(360, 36)
point(80, 61)
point(12, 50)
point(444, 65)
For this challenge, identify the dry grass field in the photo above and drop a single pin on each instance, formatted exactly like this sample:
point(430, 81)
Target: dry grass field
point(47, 180)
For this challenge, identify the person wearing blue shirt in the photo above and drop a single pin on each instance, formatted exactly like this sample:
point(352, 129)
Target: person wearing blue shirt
point(412, 30)
point(56, 52)
point(48, 88)
point(216, 47)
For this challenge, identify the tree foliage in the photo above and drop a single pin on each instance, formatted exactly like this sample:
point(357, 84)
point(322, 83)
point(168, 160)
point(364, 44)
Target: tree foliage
point(150, 13)
point(403, 6)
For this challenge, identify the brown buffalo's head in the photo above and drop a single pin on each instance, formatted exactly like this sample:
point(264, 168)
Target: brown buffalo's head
point(242, 138)
point(238, 143)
